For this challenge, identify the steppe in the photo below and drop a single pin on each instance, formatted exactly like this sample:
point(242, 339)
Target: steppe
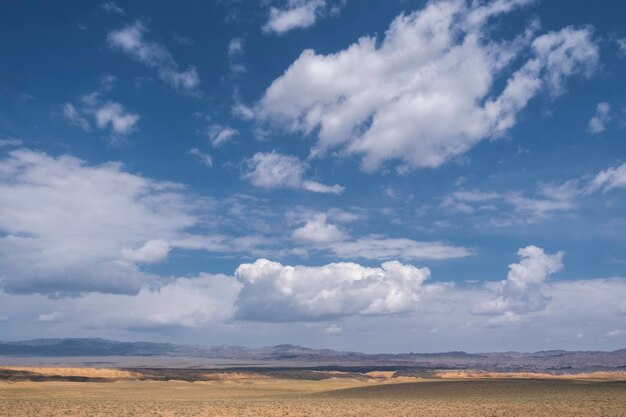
point(49, 391)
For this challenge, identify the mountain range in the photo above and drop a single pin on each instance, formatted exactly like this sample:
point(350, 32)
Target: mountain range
point(559, 361)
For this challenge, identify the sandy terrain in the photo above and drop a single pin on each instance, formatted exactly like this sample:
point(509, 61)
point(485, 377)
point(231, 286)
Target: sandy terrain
point(376, 394)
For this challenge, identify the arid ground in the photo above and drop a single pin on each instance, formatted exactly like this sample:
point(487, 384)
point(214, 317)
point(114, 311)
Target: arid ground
point(113, 392)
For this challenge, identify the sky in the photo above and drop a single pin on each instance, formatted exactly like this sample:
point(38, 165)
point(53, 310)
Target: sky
point(378, 176)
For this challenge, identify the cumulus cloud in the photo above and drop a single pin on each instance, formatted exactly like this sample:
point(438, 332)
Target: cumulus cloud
point(317, 230)
point(205, 158)
point(273, 170)
point(275, 292)
point(113, 115)
point(597, 124)
point(521, 292)
point(109, 115)
point(131, 40)
point(299, 14)
point(65, 224)
point(151, 252)
point(425, 93)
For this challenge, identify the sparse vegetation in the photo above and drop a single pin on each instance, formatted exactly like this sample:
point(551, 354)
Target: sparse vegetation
point(374, 394)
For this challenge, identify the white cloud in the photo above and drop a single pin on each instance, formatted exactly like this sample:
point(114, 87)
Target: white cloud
point(615, 333)
point(151, 252)
point(113, 115)
point(621, 43)
point(516, 207)
point(73, 117)
point(597, 124)
point(274, 170)
point(333, 329)
point(218, 134)
point(107, 115)
point(298, 14)
point(382, 248)
point(11, 142)
point(65, 224)
point(345, 216)
point(317, 187)
point(131, 40)
point(205, 158)
point(521, 292)
point(426, 92)
point(317, 230)
point(235, 47)
point(235, 51)
point(241, 110)
point(549, 199)
point(112, 7)
point(204, 305)
point(274, 292)
point(53, 317)
point(553, 199)
point(614, 177)
point(183, 302)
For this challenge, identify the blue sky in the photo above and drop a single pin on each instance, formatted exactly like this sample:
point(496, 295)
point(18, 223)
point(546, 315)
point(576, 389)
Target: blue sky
point(377, 176)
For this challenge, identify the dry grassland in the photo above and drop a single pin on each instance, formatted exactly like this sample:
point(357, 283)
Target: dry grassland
point(374, 394)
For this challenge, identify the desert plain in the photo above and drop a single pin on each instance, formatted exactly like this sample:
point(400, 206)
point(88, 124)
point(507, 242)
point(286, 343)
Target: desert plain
point(55, 391)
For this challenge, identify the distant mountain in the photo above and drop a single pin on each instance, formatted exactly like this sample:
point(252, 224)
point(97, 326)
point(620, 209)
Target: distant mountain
point(551, 361)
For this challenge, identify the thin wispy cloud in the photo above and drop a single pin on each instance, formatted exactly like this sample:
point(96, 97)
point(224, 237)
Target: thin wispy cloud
point(132, 41)
point(204, 157)
point(112, 7)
